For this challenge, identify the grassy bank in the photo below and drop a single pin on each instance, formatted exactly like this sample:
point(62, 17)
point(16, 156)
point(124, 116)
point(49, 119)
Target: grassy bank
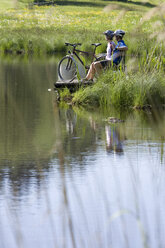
point(122, 90)
point(41, 30)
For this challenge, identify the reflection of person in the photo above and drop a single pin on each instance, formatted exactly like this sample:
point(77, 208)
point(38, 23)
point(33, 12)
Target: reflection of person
point(99, 65)
point(70, 120)
point(92, 123)
point(113, 141)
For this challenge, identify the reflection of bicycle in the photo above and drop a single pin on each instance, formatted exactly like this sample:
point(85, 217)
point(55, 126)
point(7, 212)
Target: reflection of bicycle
point(69, 68)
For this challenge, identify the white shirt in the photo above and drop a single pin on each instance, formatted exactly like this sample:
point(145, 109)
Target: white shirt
point(110, 47)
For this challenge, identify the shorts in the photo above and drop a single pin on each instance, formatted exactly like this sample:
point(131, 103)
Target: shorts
point(117, 60)
point(105, 63)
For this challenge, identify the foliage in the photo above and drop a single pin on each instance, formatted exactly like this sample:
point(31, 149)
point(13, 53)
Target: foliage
point(65, 95)
point(115, 88)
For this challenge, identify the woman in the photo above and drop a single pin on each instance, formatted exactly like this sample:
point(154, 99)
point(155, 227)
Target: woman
point(99, 65)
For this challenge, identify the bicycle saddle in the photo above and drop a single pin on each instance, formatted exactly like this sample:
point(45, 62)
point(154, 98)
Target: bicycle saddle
point(74, 45)
point(96, 44)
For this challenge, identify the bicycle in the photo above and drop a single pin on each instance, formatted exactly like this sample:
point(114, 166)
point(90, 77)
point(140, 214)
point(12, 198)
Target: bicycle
point(69, 69)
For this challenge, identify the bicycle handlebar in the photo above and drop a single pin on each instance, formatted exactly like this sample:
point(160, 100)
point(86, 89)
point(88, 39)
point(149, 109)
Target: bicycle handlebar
point(74, 45)
point(79, 44)
point(96, 44)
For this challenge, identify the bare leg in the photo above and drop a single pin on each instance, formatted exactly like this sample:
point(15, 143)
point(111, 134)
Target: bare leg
point(91, 72)
point(98, 67)
point(95, 67)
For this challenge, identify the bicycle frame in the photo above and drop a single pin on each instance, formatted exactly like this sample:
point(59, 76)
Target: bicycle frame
point(77, 56)
point(73, 64)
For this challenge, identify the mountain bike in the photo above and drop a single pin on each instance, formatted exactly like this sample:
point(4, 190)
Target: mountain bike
point(72, 66)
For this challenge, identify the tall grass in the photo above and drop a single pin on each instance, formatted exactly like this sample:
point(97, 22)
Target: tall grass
point(143, 85)
point(124, 90)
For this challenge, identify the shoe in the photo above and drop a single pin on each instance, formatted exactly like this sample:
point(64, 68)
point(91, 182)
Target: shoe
point(85, 80)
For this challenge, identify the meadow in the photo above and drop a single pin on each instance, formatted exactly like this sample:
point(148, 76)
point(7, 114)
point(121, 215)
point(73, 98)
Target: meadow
point(40, 30)
point(45, 29)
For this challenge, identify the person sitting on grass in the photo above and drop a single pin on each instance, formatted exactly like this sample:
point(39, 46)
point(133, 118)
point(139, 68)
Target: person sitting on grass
point(99, 65)
point(113, 59)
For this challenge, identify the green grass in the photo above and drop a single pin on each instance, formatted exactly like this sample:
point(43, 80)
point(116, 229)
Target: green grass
point(4, 4)
point(49, 27)
point(7, 4)
point(140, 90)
point(41, 30)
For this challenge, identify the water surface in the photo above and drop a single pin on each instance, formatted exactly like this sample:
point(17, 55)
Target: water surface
point(70, 179)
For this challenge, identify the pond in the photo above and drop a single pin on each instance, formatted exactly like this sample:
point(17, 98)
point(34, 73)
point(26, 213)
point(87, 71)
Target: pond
point(68, 178)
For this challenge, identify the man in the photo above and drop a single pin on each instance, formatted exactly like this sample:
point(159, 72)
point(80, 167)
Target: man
point(120, 47)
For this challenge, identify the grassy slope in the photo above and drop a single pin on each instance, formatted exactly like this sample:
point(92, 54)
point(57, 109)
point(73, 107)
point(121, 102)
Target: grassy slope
point(49, 27)
point(4, 4)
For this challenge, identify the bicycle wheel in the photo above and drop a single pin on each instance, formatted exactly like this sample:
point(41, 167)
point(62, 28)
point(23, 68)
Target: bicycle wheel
point(67, 69)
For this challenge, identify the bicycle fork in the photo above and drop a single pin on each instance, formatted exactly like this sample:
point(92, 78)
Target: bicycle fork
point(69, 64)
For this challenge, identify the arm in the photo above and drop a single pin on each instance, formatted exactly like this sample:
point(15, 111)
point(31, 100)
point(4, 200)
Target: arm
point(124, 48)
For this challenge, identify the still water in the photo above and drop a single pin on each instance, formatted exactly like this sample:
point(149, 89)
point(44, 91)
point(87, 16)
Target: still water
point(70, 179)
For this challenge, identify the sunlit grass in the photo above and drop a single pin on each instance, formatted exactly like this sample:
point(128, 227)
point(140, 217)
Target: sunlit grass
point(6, 4)
point(61, 17)
point(139, 90)
point(49, 27)
point(45, 29)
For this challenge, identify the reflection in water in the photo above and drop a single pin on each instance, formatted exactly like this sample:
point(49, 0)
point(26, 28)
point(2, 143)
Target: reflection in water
point(58, 185)
point(71, 119)
point(27, 124)
point(113, 140)
point(92, 123)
